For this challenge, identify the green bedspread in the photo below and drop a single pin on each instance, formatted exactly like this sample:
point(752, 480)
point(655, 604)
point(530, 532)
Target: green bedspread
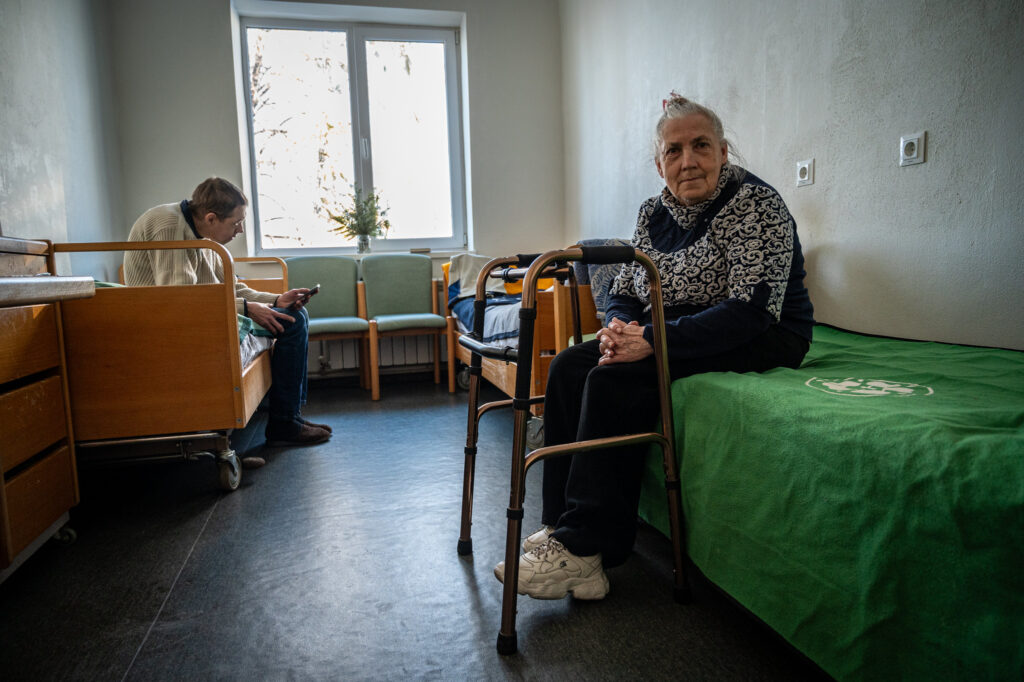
point(869, 506)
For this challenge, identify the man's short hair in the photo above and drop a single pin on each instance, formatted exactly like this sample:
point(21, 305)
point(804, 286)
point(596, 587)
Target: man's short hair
point(217, 196)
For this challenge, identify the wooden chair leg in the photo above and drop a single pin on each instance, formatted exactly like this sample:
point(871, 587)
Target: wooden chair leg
point(450, 340)
point(374, 360)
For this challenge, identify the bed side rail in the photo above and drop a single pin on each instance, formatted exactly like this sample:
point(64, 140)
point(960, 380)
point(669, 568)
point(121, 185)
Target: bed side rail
point(149, 360)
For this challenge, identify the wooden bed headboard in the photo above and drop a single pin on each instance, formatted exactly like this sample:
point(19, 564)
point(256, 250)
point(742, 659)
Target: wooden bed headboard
point(160, 359)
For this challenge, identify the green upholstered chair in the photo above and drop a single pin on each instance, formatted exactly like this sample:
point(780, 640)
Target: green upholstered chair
point(401, 300)
point(335, 312)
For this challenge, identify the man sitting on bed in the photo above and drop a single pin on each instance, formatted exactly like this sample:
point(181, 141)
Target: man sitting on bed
point(217, 212)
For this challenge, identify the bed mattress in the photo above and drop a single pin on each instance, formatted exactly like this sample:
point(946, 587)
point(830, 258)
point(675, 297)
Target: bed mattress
point(501, 322)
point(869, 506)
point(252, 345)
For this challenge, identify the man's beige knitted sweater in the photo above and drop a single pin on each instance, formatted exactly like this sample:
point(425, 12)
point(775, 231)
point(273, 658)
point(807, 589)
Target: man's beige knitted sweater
point(177, 266)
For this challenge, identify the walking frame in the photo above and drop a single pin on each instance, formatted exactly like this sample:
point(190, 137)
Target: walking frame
point(530, 268)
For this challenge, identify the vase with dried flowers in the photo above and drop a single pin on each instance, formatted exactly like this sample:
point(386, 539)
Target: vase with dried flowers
point(365, 219)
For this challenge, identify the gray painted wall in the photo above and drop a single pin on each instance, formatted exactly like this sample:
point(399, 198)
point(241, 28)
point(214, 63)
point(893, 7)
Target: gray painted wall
point(932, 251)
point(175, 85)
point(90, 139)
point(59, 170)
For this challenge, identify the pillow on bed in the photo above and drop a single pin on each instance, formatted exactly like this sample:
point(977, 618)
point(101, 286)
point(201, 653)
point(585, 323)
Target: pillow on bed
point(467, 266)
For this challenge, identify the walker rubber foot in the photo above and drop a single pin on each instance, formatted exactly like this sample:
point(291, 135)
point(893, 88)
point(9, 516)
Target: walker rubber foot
point(507, 644)
point(465, 547)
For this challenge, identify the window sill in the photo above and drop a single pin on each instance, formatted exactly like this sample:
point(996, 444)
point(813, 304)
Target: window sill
point(441, 255)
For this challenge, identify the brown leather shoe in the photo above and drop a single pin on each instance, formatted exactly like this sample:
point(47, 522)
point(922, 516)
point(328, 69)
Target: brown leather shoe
point(253, 462)
point(303, 435)
point(325, 427)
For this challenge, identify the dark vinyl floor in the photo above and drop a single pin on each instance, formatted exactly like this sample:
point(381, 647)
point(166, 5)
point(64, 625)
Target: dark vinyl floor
point(338, 562)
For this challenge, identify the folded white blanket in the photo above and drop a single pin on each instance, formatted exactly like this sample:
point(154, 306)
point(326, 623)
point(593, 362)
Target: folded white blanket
point(465, 269)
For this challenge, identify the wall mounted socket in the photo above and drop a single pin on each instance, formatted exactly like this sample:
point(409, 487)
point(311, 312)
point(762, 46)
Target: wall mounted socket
point(805, 172)
point(912, 149)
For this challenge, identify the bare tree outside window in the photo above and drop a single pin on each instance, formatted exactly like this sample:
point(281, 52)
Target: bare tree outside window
point(409, 135)
point(302, 134)
point(306, 164)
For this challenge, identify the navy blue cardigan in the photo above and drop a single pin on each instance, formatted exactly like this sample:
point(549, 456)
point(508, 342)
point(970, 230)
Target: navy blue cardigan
point(730, 267)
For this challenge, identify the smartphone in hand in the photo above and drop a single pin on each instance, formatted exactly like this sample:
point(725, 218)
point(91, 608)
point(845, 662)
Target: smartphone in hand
point(312, 292)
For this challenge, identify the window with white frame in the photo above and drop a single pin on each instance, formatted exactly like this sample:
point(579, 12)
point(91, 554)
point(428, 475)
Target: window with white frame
point(335, 107)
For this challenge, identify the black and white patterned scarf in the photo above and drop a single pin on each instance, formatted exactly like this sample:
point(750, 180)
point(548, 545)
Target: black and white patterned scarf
point(744, 253)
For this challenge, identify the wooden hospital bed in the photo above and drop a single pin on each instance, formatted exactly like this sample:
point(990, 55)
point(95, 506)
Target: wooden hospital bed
point(156, 373)
point(552, 331)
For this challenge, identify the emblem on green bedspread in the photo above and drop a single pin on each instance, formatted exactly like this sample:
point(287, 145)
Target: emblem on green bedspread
point(868, 388)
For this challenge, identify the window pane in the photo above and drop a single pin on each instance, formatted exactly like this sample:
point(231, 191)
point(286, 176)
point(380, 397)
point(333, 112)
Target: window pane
point(409, 136)
point(302, 134)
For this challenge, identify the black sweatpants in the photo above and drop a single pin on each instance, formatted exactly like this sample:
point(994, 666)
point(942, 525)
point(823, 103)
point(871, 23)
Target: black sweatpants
point(591, 498)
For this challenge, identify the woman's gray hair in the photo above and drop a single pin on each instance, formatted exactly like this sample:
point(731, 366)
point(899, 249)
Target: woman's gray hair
point(677, 106)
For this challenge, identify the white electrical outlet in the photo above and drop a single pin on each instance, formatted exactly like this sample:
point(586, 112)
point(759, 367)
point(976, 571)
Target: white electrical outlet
point(912, 149)
point(805, 172)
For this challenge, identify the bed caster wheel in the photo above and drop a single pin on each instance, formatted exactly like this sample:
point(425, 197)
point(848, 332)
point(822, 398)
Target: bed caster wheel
point(462, 378)
point(65, 536)
point(534, 433)
point(229, 469)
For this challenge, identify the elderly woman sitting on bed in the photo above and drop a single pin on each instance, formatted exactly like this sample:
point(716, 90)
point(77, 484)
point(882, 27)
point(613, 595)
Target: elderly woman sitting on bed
point(732, 275)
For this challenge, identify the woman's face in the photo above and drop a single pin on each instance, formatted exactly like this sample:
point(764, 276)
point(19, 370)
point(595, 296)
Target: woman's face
point(690, 158)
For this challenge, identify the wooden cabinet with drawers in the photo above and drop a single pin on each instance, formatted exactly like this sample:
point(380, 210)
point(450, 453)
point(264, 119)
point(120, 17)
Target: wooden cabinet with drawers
point(37, 457)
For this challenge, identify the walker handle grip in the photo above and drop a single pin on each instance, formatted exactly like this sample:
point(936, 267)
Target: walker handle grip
point(602, 255)
point(525, 259)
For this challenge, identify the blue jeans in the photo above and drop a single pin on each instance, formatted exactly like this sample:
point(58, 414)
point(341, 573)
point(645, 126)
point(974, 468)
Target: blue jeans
point(288, 367)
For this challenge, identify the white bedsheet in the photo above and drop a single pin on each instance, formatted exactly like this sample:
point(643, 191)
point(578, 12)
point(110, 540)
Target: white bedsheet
point(252, 346)
point(498, 320)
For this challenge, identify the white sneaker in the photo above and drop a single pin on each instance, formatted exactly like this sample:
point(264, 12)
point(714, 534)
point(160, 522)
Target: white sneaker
point(550, 571)
point(537, 538)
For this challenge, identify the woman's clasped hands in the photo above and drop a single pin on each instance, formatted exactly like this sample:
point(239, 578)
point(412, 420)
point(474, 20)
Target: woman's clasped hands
point(622, 342)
